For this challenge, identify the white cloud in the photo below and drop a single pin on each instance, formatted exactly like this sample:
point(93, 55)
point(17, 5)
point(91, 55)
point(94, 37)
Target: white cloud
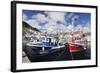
point(51, 27)
point(88, 24)
point(25, 17)
point(54, 28)
point(56, 16)
point(33, 23)
point(78, 28)
point(87, 27)
point(40, 18)
point(62, 28)
point(70, 28)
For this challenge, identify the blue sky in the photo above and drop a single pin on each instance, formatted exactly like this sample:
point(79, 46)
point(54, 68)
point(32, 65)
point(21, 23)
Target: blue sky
point(44, 19)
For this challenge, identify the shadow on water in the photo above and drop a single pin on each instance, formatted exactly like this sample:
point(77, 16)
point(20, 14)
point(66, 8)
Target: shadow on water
point(34, 54)
point(86, 54)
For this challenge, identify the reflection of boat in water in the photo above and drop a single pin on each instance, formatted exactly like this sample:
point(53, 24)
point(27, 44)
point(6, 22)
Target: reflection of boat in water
point(75, 47)
point(58, 53)
point(36, 54)
point(78, 51)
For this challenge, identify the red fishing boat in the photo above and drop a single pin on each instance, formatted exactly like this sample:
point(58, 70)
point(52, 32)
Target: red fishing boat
point(77, 44)
point(75, 47)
